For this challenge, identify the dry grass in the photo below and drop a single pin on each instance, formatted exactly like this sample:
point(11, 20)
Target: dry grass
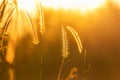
point(41, 15)
point(3, 26)
point(35, 38)
point(65, 48)
point(5, 21)
point(6, 18)
point(65, 51)
point(76, 37)
point(65, 45)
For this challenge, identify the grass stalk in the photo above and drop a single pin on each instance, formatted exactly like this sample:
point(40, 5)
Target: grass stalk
point(35, 38)
point(41, 19)
point(61, 67)
point(65, 52)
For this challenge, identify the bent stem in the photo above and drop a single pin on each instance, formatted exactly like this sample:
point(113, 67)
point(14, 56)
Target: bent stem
point(35, 39)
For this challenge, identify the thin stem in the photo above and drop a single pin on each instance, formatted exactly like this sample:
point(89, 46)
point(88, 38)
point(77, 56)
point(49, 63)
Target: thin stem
point(60, 70)
point(41, 62)
point(84, 64)
point(88, 71)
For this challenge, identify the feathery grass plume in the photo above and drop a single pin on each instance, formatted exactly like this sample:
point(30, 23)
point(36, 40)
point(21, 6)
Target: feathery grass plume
point(65, 52)
point(76, 37)
point(41, 19)
point(35, 35)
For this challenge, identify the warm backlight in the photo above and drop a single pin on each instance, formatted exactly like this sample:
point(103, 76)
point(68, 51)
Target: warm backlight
point(82, 5)
point(28, 5)
point(117, 2)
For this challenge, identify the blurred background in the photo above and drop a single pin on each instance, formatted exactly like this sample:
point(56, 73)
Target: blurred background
point(99, 30)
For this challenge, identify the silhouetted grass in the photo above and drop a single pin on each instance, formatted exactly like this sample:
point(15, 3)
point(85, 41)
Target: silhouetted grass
point(4, 24)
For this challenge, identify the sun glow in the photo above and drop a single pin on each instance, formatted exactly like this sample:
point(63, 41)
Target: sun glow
point(117, 2)
point(28, 5)
point(82, 5)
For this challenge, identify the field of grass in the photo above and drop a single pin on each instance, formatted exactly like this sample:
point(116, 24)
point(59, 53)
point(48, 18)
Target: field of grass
point(50, 44)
